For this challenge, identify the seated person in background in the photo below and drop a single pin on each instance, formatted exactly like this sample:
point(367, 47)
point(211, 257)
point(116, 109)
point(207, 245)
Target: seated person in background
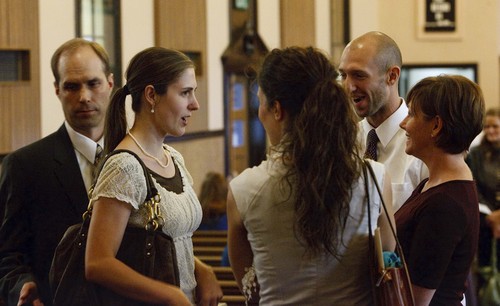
point(213, 196)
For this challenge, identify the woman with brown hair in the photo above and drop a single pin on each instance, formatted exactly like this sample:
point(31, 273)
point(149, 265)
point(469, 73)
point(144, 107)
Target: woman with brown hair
point(298, 222)
point(162, 84)
point(438, 225)
point(213, 196)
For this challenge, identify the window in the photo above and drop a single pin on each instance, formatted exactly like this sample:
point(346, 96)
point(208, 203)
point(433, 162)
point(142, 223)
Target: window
point(99, 21)
point(411, 74)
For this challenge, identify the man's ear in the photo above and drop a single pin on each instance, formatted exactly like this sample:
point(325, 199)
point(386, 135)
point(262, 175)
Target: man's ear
point(111, 80)
point(56, 88)
point(393, 75)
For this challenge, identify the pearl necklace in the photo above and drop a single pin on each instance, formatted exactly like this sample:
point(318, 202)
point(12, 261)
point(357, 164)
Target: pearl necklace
point(149, 155)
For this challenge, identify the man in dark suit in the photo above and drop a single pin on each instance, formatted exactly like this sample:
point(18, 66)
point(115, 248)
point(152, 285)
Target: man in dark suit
point(43, 186)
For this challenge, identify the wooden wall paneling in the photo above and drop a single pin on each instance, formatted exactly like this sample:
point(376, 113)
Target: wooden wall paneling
point(201, 156)
point(26, 95)
point(25, 115)
point(20, 105)
point(297, 23)
point(6, 121)
point(4, 23)
point(338, 24)
point(23, 15)
point(181, 25)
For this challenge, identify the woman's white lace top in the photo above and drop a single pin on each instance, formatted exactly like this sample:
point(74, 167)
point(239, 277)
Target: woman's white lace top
point(122, 178)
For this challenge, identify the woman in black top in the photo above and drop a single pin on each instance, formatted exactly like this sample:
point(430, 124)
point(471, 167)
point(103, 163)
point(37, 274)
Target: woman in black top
point(438, 225)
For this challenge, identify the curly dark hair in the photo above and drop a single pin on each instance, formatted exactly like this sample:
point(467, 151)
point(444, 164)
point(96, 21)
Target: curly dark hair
point(319, 146)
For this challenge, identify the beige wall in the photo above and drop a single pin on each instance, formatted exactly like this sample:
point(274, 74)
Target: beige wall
point(202, 156)
point(55, 28)
point(478, 42)
point(137, 34)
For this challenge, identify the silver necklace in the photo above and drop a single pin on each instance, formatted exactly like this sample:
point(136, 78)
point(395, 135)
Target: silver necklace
point(149, 155)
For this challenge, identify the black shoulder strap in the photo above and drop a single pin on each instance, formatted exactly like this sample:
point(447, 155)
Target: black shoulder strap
point(151, 189)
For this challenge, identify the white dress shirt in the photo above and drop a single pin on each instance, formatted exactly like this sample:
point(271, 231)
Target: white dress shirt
point(85, 149)
point(405, 170)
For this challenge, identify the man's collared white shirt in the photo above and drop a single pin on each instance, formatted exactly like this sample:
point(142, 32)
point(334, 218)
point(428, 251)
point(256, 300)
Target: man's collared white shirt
point(406, 171)
point(85, 150)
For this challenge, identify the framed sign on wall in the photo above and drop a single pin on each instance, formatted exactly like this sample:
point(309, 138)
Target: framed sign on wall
point(439, 19)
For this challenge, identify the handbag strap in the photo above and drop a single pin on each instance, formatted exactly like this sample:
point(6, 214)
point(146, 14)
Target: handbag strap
point(151, 201)
point(393, 230)
point(371, 244)
point(150, 186)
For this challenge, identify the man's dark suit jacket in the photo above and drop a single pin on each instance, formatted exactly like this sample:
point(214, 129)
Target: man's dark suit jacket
point(42, 193)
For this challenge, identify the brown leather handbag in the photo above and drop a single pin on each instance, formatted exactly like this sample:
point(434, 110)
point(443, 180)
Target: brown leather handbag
point(147, 250)
point(390, 286)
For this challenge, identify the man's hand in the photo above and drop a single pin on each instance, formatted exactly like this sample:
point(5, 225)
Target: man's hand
point(29, 295)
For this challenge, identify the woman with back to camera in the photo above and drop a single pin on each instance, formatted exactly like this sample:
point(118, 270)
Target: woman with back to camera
point(438, 225)
point(300, 217)
point(162, 84)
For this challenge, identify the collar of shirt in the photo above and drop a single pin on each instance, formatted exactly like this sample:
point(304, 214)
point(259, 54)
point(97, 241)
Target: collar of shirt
point(83, 144)
point(388, 129)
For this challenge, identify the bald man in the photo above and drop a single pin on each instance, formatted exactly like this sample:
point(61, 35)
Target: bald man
point(370, 67)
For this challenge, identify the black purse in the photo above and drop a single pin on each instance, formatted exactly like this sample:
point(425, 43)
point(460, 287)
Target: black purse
point(147, 250)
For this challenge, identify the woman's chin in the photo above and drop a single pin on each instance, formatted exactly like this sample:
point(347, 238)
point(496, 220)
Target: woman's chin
point(408, 150)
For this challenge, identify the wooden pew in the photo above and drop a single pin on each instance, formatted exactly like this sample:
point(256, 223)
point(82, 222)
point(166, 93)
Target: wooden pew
point(208, 247)
point(209, 233)
point(200, 250)
point(213, 241)
point(233, 300)
point(210, 260)
point(223, 273)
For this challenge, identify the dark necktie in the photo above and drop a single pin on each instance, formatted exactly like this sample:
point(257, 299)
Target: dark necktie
point(98, 155)
point(97, 158)
point(371, 145)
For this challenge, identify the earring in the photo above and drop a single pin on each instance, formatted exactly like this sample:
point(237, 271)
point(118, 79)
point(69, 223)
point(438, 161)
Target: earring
point(152, 110)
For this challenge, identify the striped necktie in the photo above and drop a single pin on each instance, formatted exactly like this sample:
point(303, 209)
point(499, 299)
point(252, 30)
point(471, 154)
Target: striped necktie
point(97, 158)
point(98, 155)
